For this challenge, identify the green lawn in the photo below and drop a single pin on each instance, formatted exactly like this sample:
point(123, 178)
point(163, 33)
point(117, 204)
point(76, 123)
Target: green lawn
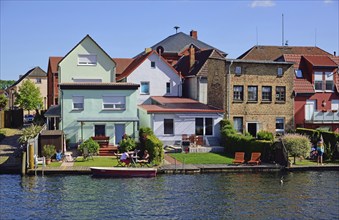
point(307, 162)
point(96, 162)
point(202, 158)
point(54, 164)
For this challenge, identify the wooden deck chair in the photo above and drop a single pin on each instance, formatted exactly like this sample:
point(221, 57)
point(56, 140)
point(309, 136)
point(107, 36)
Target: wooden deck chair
point(255, 158)
point(239, 157)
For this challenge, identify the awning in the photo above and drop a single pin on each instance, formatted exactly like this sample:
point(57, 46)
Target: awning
point(127, 119)
point(53, 111)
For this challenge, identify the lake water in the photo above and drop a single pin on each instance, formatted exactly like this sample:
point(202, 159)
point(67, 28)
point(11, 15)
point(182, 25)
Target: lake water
point(302, 195)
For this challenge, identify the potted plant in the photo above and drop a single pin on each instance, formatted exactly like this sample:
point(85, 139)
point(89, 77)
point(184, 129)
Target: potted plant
point(48, 151)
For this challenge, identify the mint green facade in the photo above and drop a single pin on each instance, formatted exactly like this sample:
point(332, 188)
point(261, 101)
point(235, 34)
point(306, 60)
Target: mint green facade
point(93, 114)
point(145, 119)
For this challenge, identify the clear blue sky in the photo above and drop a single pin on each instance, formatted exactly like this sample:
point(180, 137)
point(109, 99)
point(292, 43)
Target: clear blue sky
point(31, 31)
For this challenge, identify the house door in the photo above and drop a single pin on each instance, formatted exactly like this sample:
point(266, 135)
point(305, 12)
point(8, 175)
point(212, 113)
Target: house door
point(309, 109)
point(119, 132)
point(252, 128)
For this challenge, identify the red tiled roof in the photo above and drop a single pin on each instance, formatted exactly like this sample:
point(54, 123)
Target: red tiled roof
point(138, 61)
point(323, 61)
point(302, 85)
point(53, 62)
point(335, 59)
point(274, 52)
point(178, 105)
point(294, 58)
point(122, 64)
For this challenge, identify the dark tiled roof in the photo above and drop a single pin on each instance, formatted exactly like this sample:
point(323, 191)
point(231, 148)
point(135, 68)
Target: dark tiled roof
point(274, 52)
point(53, 111)
point(199, 69)
point(320, 61)
point(122, 64)
point(178, 105)
point(177, 42)
point(35, 72)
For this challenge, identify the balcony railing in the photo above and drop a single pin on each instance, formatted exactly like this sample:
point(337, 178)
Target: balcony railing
point(325, 117)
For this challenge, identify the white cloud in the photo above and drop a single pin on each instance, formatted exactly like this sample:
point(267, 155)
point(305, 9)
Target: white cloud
point(328, 1)
point(264, 3)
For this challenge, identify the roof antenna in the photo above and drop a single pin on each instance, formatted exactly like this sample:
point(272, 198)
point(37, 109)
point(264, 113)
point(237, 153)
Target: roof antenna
point(176, 28)
point(257, 34)
point(315, 37)
point(282, 42)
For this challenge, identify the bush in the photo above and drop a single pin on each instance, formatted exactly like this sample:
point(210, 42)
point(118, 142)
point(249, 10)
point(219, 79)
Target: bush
point(29, 133)
point(126, 144)
point(297, 145)
point(91, 145)
point(48, 151)
point(265, 135)
point(155, 148)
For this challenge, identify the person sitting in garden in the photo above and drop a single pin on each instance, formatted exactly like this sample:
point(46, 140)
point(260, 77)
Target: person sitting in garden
point(145, 157)
point(58, 156)
point(125, 158)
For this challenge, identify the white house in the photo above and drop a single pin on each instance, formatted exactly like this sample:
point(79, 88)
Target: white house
point(155, 76)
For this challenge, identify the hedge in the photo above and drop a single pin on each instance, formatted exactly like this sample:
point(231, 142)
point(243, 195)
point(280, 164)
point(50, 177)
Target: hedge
point(331, 140)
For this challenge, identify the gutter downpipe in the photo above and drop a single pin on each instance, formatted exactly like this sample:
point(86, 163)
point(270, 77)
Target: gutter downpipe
point(228, 78)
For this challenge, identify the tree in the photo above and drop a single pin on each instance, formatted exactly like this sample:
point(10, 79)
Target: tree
point(3, 101)
point(297, 145)
point(29, 96)
point(4, 84)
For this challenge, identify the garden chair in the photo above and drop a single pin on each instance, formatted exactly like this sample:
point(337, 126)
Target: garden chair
point(239, 158)
point(39, 160)
point(255, 158)
point(86, 154)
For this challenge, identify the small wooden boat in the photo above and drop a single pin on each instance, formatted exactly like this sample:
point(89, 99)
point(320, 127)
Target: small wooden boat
point(123, 172)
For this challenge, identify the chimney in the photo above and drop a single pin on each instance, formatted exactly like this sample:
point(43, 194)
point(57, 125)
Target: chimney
point(334, 53)
point(194, 34)
point(192, 56)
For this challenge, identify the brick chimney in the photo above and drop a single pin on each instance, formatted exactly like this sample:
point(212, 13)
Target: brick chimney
point(192, 56)
point(194, 34)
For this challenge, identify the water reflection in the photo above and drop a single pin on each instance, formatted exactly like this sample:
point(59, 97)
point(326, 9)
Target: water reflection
point(304, 195)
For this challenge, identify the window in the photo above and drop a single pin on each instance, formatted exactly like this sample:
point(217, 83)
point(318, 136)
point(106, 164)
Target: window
point(280, 93)
point(168, 126)
point(152, 64)
point(335, 105)
point(204, 126)
point(99, 130)
point(267, 93)
point(238, 124)
point(87, 59)
point(318, 80)
point(38, 80)
point(208, 126)
point(329, 81)
point(280, 71)
point(238, 70)
point(168, 87)
point(298, 73)
point(113, 102)
point(238, 93)
point(144, 88)
point(279, 125)
point(78, 102)
point(252, 93)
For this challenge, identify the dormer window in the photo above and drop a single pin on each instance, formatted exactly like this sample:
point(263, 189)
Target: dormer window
point(280, 71)
point(238, 70)
point(87, 59)
point(298, 73)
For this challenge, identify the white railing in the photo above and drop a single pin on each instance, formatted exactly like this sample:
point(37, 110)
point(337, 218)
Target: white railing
point(325, 117)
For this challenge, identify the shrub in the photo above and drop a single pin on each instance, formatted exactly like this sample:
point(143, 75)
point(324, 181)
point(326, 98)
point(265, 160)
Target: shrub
point(297, 145)
point(48, 151)
point(29, 133)
point(265, 135)
point(91, 145)
point(126, 144)
point(155, 148)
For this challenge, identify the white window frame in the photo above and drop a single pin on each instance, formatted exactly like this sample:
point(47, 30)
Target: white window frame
point(77, 99)
point(238, 124)
point(299, 73)
point(148, 83)
point(91, 59)
point(329, 78)
point(318, 77)
point(111, 102)
point(335, 104)
point(281, 131)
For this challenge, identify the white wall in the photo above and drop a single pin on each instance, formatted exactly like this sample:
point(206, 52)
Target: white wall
point(157, 78)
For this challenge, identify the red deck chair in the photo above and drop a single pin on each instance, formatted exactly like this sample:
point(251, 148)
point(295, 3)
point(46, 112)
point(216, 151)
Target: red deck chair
point(255, 158)
point(239, 157)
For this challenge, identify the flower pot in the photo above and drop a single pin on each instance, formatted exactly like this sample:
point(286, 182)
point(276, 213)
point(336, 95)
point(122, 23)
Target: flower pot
point(48, 161)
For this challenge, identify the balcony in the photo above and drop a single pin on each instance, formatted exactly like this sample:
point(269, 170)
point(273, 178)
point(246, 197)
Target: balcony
point(321, 117)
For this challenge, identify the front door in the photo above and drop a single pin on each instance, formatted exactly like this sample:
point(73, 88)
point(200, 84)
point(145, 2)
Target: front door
point(119, 132)
point(252, 128)
point(309, 109)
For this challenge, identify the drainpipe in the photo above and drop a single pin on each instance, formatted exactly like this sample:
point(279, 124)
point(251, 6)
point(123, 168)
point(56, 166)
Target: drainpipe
point(228, 78)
